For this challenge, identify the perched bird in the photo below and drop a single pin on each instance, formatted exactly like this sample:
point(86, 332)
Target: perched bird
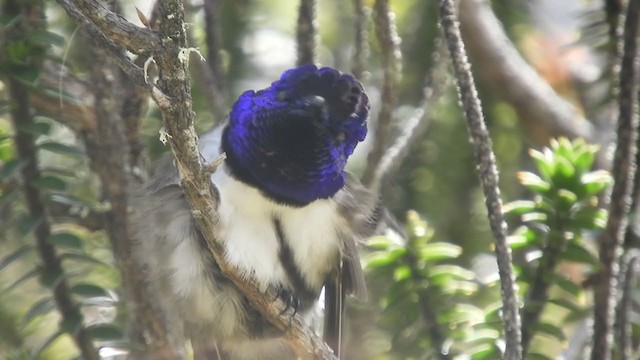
point(290, 216)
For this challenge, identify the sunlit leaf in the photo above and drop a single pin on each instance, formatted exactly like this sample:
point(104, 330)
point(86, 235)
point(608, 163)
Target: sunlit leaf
point(79, 257)
point(27, 224)
point(439, 251)
point(40, 307)
point(67, 240)
point(551, 330)
point(50, 340)
point(50, 182)
point(60, 148)
point(15, 255)
point(24, 277)
point(519, 207)
point(11, 168)
point(533, 182)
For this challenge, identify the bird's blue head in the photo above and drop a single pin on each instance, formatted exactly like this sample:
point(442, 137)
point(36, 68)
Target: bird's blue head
point(292, 139)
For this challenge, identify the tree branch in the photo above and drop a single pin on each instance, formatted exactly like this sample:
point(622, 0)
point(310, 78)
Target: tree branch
point(307, 33)
point(488, 173)
point(361, 45)
point(173, 96)
point(541, 111)
point(610, 245)
point(389, 40)
point(416, 125)
point(93, 15)
point(623, 325)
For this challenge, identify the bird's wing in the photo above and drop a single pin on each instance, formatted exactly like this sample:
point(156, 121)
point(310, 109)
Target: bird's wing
point(364, 217)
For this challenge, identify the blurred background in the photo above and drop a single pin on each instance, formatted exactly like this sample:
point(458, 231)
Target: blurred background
point(451, 302)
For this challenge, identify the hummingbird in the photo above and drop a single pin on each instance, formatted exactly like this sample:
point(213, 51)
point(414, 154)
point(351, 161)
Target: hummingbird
point(290, 217)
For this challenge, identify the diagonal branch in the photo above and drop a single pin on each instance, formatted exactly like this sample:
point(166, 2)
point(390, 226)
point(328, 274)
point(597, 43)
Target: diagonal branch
point(488, 173)
point(541, 111)
point(173, 96)
point(610, 245)
point(416, 125)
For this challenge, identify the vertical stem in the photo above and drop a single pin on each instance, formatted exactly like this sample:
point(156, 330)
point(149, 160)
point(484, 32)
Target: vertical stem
point(610, 249)
point(307, 33)
point(488, 173)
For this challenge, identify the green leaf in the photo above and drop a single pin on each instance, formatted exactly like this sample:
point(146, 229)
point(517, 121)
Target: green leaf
point(533, 182)
point(401, 273)
point(89, 290)
point(439, 250)
point(380, 259)
point(50, 340)
point(82, 258)
point(51, 279)
point(544, 163)
point(49, 182)
point(566, 284)
point(26, 276)
point(519, 207)
point(36, 128)
point(60, 148)
point(455, 271)
point(41, 307)
point(105, 332)
point(15, 255)
point(71, 324)
point(564, 168)
point(48, 38)
point(550, 329)
point(11, 168)
point(578, 254)
point(26, 75)
point(537, 356)
point(584, 161)
point(67, 240)
point(378, 243)
point(596, 181)
point(27, 224)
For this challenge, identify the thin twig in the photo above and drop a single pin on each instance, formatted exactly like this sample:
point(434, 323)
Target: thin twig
point(488, 173)
point(361, 44)
point(417, 124)
point(389, 40)
point(610, 245)
point(629, 280)
point(307, 33)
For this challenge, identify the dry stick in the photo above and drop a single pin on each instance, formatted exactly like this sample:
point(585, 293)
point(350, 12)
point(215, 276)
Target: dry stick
point(307, 33)
point(417, 124)
point(361, 45)
point(173, 96)
point(623, 325)
point(214, 58)
point(387, 35)
point(488, 173)
point(623, 171)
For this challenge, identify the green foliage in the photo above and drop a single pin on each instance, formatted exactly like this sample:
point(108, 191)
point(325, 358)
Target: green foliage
point(557, 225)
point(422, 279)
